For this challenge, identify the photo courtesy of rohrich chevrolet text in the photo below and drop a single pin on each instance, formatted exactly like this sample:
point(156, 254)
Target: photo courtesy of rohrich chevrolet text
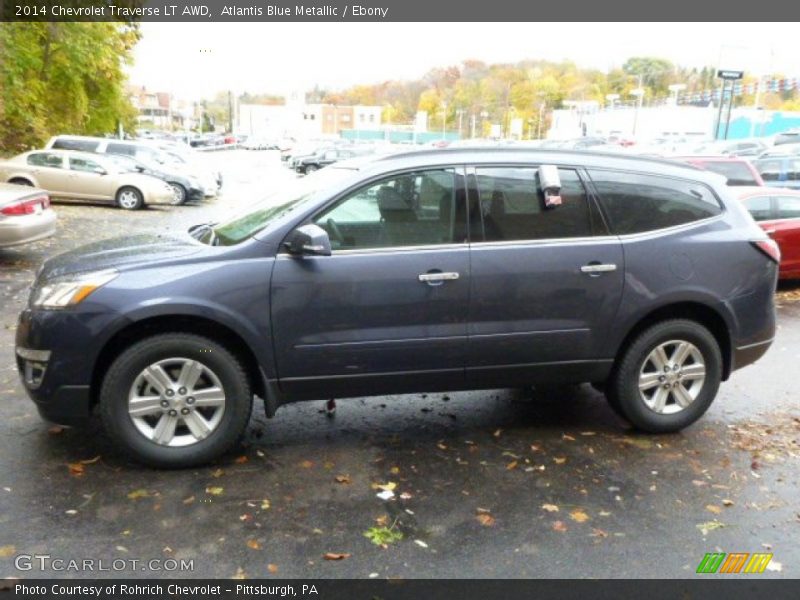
point(399, 300)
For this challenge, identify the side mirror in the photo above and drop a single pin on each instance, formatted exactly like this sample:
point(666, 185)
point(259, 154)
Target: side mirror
point(309, 239)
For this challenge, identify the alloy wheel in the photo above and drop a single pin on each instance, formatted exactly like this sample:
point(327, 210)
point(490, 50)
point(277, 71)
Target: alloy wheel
point(176, 402)
point(672, 376)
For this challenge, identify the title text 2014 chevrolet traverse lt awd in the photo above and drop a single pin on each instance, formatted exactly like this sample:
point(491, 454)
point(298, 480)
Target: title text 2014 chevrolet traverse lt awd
point(438, 270)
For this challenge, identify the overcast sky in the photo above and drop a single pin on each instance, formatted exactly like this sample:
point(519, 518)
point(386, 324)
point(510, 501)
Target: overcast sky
point(194, 60)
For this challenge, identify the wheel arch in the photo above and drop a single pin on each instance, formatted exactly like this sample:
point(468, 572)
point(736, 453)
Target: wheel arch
point(154, 325)
point(702, 313)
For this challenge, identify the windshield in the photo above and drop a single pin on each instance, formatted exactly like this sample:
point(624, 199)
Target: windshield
point(257, 216)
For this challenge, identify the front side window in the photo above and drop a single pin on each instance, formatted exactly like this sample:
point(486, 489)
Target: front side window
point(512, 206)
point(760, 207)
point(638, 202)
point(788, 207)
point(45, 159)
point(84, 165)
point(412, 209)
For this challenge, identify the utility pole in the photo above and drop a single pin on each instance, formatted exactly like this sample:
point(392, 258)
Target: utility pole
point(230, 111)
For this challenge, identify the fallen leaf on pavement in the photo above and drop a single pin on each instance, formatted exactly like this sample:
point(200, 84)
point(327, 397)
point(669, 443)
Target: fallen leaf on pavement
point(335, 555)
point(241, 460)
point(550, 507)
point(188, 500)
point(560, 460)
point(713, 508)
point(497, 433)
point(709, 526)
point(215, 490)
point(386, 487)
point(76, 469)
point(265, 504)
point(559, 526)
point(217, 473)
point(383, 520)
point(342, 479)
point(420, 543)
point(511, 466)
point(90, 461)
point(306, 464)
point(272, 568)
point(406, 496)
point(579, 516)
point(253, 545)
point(55, 430)
point(568, 438)
point(727, 502)
point(6, 551)
point(136, 494)
point(385, 495)
point(599, 533)
point(485, 519)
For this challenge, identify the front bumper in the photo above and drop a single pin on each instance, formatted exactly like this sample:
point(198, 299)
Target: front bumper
point(55, 354)
point(27, 228)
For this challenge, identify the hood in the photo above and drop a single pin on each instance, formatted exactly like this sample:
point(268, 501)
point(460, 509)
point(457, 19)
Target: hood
point(121, 252)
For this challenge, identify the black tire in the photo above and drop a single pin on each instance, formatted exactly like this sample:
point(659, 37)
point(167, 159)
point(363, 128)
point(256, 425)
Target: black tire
point(21, 181)
point(123, 372)
point(310, 169)
point(622, 388)
point(129, 198)
point(179, 193)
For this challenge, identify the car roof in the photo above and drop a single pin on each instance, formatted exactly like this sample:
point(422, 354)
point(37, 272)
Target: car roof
point(710, 158)
point(77, 153)
point(568, 158)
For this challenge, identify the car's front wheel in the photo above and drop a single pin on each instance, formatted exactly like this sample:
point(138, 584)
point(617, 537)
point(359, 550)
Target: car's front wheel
point(667, 377)
point(129, 198)
point(178, 193)
point(176, 400)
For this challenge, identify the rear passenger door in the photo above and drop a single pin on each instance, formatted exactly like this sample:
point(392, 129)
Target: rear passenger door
point(546, 282)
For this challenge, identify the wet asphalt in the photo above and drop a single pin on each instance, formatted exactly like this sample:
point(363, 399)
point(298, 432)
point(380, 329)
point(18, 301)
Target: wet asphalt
point(544, 482)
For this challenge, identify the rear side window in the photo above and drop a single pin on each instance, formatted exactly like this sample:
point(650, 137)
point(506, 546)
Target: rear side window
point(45, 159)
point(635, 203)
point(737, 173)
point(82, 145)
point(788, 207)
point(512, 206)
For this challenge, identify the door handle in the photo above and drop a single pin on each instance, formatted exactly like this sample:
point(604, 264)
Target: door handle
point(596, 268)
point(437, 278)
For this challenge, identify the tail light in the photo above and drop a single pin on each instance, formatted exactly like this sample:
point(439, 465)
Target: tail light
point(770, 248)
point(28, 206)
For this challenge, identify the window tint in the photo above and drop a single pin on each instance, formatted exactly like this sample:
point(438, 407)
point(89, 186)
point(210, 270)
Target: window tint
point(770, 170)
point(45, 159)
point(82, 164)
point(636, 202)
point(737, 173)
point(412, 209)
point(69, 144)
point(788, 207)
point(760, 207)
point(512, 206)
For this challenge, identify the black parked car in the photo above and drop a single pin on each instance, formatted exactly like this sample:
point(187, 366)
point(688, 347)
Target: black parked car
point(185, 189)
point(314, 162)
point(432, 270)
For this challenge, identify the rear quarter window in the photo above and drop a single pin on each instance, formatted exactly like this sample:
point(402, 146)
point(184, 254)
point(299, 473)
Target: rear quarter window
point(637, 202)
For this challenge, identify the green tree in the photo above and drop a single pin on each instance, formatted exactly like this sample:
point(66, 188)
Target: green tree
point(63, 78)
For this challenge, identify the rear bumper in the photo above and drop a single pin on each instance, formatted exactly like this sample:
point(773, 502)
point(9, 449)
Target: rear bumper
point(27, 228)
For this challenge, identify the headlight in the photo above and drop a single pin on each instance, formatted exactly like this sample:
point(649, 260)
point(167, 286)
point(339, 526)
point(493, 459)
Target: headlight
point(70, 290)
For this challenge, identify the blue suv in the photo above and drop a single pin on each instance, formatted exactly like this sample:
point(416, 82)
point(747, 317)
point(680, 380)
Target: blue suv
point(433, 270)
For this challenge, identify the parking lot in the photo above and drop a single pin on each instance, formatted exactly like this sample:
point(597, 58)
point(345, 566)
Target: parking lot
point(505, 483)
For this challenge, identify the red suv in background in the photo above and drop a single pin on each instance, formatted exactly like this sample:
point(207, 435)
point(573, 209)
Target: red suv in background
point(738, 170)
point(777, 211)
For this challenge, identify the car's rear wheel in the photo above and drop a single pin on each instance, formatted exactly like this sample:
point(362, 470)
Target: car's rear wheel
point(310, 169)
point(129, 198)
point(178, 193)
point(176, 400)
point(667, 376)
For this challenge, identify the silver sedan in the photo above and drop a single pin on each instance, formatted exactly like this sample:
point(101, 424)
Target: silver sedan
point(25, 215)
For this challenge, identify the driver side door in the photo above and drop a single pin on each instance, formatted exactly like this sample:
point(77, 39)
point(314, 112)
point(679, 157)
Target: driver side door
point(387, 310)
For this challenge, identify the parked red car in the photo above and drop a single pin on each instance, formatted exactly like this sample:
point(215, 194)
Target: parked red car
point(738, 170)
point(777, 210)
